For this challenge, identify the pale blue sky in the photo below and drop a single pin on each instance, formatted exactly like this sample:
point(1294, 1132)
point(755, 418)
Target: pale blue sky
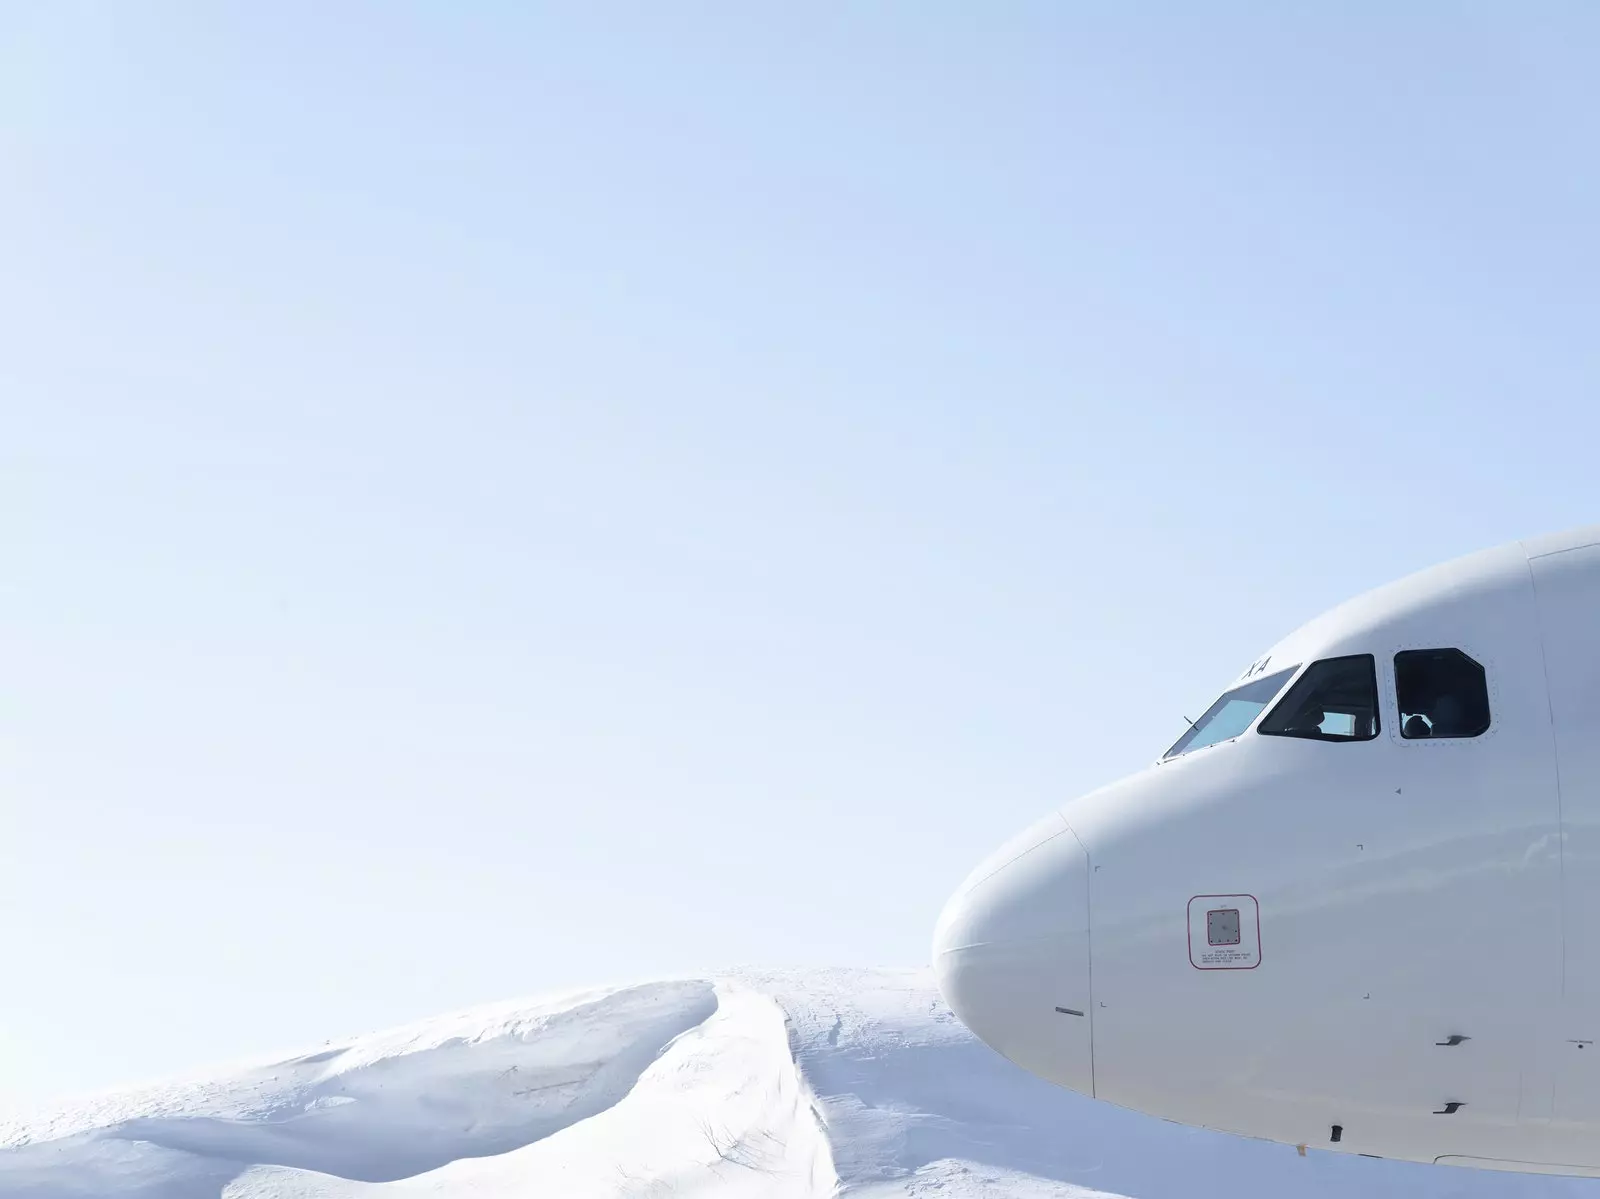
point(502, 497)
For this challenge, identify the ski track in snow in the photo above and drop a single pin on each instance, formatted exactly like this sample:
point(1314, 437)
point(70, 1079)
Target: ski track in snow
point(789, 1085)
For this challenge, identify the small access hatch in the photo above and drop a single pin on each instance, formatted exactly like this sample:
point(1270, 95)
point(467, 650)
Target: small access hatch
point(1222, 926)
point(1224, 932)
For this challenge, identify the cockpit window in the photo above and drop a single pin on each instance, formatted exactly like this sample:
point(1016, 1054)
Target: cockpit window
point(1232, 714)
point(1441, 693)
point(1335, 700)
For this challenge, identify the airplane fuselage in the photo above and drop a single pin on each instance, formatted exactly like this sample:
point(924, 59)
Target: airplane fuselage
point(1356, 906)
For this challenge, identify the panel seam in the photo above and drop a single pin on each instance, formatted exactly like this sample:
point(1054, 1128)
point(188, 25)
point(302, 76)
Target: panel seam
point(1088, 934)
point(1555, 749)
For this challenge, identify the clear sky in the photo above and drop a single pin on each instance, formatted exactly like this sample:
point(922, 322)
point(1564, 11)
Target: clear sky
point(501, 497)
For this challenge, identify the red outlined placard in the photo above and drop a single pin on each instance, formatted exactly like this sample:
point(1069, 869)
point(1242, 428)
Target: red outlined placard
point(1224, 932)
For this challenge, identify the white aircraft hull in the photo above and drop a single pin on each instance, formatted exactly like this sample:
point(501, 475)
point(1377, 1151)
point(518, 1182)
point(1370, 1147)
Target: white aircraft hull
point(1375, 934)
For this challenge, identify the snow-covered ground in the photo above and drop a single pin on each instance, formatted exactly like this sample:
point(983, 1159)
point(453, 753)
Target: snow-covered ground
point(786, 1085)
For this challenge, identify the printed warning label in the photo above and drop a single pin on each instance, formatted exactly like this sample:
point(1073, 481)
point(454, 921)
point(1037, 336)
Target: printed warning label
point(1224, 932)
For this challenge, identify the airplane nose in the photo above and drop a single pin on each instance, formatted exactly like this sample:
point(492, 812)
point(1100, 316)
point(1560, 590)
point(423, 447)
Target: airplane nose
point(1011, 952)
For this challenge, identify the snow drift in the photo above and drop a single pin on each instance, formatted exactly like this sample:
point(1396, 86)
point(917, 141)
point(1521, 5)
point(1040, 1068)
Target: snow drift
point(792, 1086)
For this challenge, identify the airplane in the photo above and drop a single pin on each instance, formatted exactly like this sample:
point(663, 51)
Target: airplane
point(1355, 906)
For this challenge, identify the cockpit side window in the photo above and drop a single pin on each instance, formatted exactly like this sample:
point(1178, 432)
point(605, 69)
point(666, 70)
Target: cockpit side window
point(1335, 700)
point(1232, 714)
point(1441, 693)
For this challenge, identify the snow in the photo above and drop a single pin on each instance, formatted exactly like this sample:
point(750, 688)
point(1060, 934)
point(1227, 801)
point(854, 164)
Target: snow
point(789, 1085)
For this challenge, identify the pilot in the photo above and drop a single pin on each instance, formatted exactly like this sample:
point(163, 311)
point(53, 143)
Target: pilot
point(1308, 721)
point(1449, 720)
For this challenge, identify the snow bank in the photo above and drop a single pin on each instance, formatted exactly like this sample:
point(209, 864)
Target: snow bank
point(789, 1085)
